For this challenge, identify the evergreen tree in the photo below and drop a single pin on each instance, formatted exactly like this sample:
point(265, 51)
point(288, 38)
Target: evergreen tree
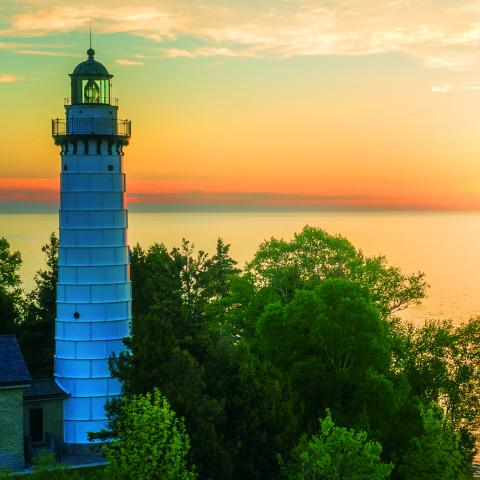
point(37, 333)
point(11, 301)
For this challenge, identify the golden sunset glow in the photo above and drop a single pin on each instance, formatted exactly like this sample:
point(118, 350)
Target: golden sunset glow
point(277, 104)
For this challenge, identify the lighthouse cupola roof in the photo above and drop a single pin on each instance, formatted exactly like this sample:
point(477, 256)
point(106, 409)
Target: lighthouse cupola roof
point(91, 82)
point(91, 66)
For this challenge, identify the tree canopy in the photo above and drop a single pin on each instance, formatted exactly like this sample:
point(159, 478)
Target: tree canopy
point(11, 303)
point(150, 441)
point(252, 358)
point(314, 255)
point(336, 454)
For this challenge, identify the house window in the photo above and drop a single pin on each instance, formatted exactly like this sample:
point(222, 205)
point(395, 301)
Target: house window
point(36, 424)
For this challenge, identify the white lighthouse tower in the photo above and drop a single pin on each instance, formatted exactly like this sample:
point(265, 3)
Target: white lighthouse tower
point(94, 290)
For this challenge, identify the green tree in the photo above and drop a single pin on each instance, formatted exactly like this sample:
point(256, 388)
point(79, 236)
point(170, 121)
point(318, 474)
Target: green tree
point(259, 418)
point(334, 348)
point(156, 359)
point(237, 409)
point(436, 453)
point(151, 442)
point(314, 255)
point(11, 301)
point(37, 333)
point(252, 360)
point(170, 338)
point(178, 285)
point(155, 275)
point(443, 366)
point(336, 454)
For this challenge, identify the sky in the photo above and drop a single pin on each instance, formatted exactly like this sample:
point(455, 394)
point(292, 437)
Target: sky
point(265, 104)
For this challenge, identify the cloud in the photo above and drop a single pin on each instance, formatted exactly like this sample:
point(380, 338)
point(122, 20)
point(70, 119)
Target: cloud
point(7, 78)
point(46, 53)
point(43, 190)
point(50, 50)
point(238, 199)
point(56, 19)
point(23, 194)
point(188, 193)
point(127, 63)
point(207, 52)
point(151, 22)
point(439, 35)
point(449, 87)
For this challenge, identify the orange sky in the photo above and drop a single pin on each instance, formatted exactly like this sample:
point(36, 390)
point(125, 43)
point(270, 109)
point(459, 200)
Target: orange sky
point(277, 105)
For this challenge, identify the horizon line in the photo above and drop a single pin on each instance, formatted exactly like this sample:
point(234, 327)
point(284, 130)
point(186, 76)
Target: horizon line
point(16, 208)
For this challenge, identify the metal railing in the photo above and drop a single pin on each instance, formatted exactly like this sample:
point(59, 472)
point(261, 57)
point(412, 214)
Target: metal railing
point(113, 102)
point(91, 126)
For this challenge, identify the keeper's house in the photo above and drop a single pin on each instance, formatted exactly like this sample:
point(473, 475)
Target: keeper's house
point(31, 411)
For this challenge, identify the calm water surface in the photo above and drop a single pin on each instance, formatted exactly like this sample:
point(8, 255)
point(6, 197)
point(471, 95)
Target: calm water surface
point(446, 246)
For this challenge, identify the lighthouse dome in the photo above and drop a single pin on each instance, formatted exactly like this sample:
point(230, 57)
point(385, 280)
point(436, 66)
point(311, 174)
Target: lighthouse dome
point(91, 66)
point(91, 82)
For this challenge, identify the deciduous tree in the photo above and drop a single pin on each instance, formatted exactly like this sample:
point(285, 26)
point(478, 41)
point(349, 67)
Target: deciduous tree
point(336, 454)
point(150, 441)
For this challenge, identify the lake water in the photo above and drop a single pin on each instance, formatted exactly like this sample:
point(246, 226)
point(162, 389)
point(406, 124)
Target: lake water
point(446, 246)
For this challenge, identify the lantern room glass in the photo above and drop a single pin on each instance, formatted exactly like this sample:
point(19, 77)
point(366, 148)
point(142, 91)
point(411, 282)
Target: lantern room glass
point(94, 91)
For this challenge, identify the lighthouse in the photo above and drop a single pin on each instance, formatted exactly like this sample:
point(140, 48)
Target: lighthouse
point(94, 289)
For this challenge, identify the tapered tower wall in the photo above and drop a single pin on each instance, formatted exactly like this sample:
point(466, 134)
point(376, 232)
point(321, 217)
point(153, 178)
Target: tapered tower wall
point(94, 290)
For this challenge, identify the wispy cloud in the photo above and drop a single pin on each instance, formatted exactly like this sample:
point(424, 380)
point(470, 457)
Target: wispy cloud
point(127, 63)
point(151, 22)
point(173, 194)
point(50, 50)
point(29, 190)
point(45, 53)
point(437, 34)
point(257, 199)
point(8, 78)
point(444, 88)
point(161, 194)
point(208, 52)
point(451, 87)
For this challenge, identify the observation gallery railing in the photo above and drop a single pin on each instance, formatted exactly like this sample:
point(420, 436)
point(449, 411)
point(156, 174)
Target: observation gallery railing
point(91, 126)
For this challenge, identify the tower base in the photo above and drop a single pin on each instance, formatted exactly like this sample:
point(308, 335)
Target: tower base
point(83, 450)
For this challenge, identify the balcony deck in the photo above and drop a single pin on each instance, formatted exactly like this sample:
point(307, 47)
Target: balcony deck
point(91, 126)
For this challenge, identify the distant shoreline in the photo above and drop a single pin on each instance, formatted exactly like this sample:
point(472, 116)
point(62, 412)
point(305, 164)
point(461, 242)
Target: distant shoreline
point(147, 208)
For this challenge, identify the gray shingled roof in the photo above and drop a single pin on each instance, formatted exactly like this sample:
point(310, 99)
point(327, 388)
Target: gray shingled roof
point(44, 388)
point(13, 370)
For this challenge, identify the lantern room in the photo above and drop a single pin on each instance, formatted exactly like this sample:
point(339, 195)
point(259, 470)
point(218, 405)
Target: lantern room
point(91, 82)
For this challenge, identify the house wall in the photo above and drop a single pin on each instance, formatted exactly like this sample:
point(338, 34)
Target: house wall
point(11, 428)
point(52, 418)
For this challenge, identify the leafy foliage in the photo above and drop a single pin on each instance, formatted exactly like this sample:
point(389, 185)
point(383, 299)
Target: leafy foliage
point(314, 255)
point(336, 453)
point(171, 339)
point(443, 365)
point(252, 359)
point(435, 453)
point(324, 372)
point(11, 303)
point(151, 442)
